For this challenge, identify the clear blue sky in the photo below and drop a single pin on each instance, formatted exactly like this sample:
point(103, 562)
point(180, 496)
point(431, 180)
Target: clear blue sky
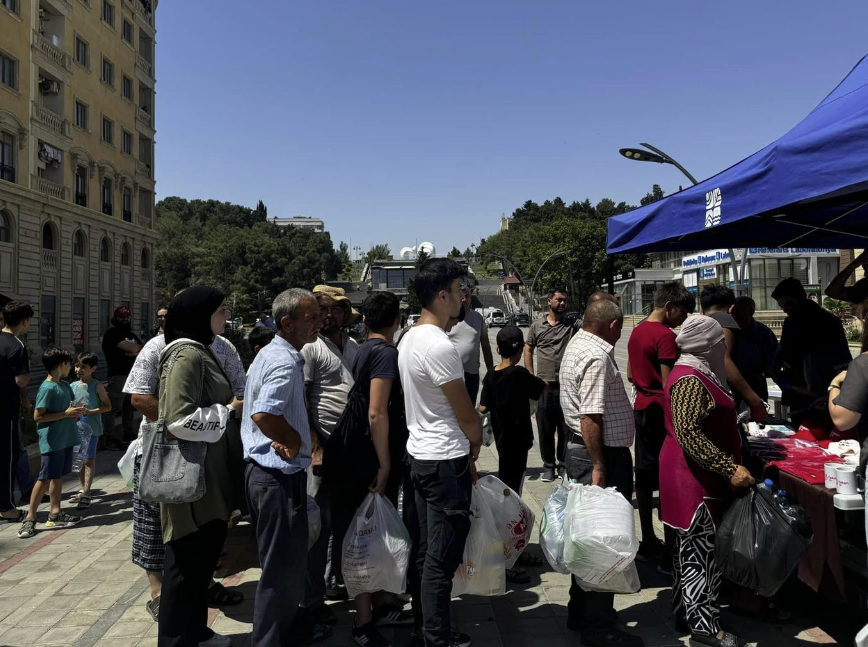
point(424, 120)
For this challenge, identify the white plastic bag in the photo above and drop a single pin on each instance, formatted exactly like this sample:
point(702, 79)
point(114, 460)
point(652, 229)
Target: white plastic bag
point(512, 518)
point(625, 582)
point(482, 571)
point(487, 431)
point(376, 549)
point(551, 528)
point(314, 521)
point(599, 533)
point(127, 463)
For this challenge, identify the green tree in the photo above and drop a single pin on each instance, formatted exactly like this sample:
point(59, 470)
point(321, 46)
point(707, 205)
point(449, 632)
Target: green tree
point(655, 194)
point(455, 253)
point(468, 254)
point(414, 306)
point(378, 253)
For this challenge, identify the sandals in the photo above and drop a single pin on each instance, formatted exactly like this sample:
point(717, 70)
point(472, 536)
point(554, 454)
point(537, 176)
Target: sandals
point(728, 640)
point(517, 576)
point(529, 559)
point(153, 608)
point(83, 502)
point(220, 596)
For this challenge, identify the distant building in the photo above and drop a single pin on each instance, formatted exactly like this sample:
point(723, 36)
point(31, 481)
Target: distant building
point(393, 275)
point(301, 221)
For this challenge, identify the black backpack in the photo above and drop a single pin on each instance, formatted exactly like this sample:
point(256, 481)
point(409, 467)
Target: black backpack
point(349, 451)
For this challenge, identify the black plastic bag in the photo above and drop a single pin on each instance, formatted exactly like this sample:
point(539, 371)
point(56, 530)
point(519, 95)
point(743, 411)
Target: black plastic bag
point(757, 545)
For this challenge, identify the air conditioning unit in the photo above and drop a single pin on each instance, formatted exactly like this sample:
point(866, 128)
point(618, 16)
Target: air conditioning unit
point(47, 86)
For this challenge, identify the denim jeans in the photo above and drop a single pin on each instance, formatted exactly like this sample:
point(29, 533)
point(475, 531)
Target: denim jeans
point(278, 509)
point(443, 511)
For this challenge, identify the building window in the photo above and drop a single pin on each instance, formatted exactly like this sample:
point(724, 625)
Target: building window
point(7, 157)
point(6, 231)
point(47, 236)
point(146, 259)
point(125, 254)
point(81, 119)
point(145, 318)
point(82, 53)
point(108, 131)
point(78, 318)
point(8, 71)
point(127, 33)
point(46, 321)
point(128, 204)
point(79, 245)
point(108, 197)
point(81, 174)
point(11, 5)
point(108, 72)
point(108, 13)
point(105, 250)
point(126, 142)
point(104, 316)
point(127, 88)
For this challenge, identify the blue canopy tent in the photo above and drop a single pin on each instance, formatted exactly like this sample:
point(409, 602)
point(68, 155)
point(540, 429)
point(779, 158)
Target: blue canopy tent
point(808, 189)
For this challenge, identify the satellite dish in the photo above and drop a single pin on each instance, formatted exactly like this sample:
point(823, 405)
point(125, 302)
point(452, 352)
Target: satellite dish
point(408, 253)
point(428, 248)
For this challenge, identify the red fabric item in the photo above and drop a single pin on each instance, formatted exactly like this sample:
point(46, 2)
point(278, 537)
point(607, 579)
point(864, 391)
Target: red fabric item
point(650, 342)
point(812, 432)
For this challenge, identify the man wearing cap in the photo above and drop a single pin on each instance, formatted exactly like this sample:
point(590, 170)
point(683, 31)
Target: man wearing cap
point(328, 377)
point(120, 347)
point(813, 351)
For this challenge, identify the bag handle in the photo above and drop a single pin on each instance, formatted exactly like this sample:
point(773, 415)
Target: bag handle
point(167, 367)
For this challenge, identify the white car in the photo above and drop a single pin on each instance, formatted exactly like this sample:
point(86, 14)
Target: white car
point(412, 319)
point(495, 318)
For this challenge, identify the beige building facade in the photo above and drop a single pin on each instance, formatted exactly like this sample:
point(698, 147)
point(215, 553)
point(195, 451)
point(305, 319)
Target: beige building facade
point(77, 99)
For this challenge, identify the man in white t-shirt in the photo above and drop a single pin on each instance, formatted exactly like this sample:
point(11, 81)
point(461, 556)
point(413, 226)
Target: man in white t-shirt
point(445, 437)
point(469, 336)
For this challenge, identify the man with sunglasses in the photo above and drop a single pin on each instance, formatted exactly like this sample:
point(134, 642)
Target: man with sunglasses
point(652, 353)
point(161, 322)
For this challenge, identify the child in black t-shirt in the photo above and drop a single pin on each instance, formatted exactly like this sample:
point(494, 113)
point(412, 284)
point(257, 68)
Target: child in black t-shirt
point(506, 393)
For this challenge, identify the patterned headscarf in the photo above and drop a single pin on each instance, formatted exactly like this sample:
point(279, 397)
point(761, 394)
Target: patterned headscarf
point(699, 341)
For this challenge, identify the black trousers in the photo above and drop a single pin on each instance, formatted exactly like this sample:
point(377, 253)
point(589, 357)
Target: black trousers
point(550, 423)
point(187, 571)
point(588, 610)
point(511, 466)
point(9, 451)
point(443, 511)
point(471, 381)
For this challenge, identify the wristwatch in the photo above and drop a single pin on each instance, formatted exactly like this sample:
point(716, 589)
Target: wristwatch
point(833, 386)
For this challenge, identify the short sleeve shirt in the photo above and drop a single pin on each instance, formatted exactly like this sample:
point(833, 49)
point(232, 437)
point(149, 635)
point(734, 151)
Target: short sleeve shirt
point(117, 361)
point(427, 361)
point(549, 343)
point(55, 397)
point(650, 344)
point(507, 394)
point(13, 363)
point(466, 335)
point(328, 371)
point(591, 384)
point(854, 393)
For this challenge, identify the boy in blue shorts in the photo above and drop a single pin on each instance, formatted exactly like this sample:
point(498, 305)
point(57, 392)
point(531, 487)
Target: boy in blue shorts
point(55, 417)
point(97, 403)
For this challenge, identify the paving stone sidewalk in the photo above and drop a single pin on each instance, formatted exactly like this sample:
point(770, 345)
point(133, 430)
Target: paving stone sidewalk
point(78, 587)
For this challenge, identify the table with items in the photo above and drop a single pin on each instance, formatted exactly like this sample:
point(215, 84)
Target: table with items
point(822, 478)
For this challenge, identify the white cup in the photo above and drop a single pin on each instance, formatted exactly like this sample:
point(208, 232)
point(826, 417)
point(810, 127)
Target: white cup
point(831, 476)
point(846, 477)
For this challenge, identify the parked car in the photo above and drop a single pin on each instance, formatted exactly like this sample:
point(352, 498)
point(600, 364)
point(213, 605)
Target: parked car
point(412, 319)
point(495, 318)
point(522, 319)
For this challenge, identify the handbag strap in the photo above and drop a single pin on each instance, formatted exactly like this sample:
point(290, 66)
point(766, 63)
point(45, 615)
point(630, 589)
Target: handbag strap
point(366, 371)
point(170, 362)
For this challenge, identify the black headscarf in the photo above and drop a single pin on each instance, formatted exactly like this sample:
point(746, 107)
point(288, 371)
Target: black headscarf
point(189, 314)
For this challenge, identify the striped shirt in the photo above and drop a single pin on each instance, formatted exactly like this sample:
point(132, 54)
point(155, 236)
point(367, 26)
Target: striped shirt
point(275, 385)
point(591, 384)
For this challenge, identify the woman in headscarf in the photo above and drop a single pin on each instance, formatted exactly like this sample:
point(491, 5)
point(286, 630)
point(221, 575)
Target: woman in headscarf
point(699, 471)
point(195, 402)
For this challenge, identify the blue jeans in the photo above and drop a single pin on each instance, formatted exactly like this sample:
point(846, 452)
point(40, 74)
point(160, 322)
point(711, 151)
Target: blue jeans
point(278, 509)
point(443, 511)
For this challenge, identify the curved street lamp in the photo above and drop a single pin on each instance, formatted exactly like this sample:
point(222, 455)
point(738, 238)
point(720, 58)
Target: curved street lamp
point(559, 252)
point(658, 156)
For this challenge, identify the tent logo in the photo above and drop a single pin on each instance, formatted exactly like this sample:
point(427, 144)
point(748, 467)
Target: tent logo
point(713, 200)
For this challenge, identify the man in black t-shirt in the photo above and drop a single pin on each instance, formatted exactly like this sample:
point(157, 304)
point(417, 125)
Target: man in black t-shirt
point(14, 377)
point(120, 347)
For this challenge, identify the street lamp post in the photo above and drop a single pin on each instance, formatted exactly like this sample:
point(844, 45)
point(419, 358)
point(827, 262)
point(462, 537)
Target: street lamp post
point(533, 283)
point(658, 156)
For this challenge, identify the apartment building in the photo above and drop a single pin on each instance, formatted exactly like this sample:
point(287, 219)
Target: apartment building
point(77, 164)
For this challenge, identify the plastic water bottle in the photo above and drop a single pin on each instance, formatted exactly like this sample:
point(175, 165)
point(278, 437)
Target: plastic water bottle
point(79, 452)
point(767, 486)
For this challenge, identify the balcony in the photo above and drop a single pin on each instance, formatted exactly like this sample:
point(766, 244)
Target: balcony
point(50, 120)
point(143, 116)
point(143, 168)
point(145, 11)
point(48, 187)
point(51, 51)
point(49, 259)
point(144, 66)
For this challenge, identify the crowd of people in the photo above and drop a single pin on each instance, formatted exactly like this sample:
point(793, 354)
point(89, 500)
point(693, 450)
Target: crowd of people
point(276, 437)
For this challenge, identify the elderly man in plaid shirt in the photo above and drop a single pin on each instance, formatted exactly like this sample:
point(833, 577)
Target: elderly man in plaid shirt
point(598, 413)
